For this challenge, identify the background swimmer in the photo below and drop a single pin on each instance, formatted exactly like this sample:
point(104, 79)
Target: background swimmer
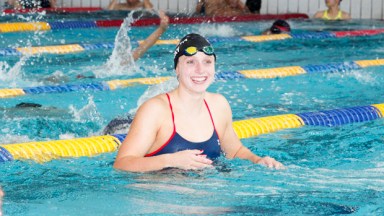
point(278, 27)
point(333, 13)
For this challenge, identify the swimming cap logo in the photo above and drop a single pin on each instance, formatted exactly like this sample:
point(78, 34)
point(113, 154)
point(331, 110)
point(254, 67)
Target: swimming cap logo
point(176, 51)
point(178, 47)
point(185, 40)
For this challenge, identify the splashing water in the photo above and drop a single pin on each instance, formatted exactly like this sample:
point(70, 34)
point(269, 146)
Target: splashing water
point(12, 75)
point(121, 61)
point(4, 66)
point(87, 113)
point(218, 30)
point(155, 90)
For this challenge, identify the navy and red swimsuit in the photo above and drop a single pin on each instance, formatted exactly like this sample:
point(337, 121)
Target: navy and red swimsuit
point(177, 143)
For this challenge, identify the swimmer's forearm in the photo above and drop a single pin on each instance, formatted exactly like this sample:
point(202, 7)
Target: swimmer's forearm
point(112, 5)
point(148, 4)
point(142, 164)
point(245, 153)
point(147, 43)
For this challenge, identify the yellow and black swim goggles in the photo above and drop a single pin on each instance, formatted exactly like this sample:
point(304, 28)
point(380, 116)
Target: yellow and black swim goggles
point(192, 50)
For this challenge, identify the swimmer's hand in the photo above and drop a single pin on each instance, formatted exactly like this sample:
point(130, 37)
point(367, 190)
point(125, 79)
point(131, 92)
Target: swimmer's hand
point(164, 20)
point(189, 160)
point(270, 163)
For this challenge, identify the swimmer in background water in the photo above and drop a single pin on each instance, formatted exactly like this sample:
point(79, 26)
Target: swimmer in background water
point(145, 44)
point(33, 110)
point(278, 27)
point(118, 125)
point(188, 127)
point(333, 13)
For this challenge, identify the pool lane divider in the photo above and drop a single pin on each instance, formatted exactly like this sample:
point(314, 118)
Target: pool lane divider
point(225, 75)
point(74, 48)
point(73, 24)
point(52, 10)
point(91, 146)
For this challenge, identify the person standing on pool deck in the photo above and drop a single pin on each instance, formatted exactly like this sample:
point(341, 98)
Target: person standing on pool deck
point(130, 5)
point(187, 128)
point(221, 8)
point(24, 4)
point(333, 13)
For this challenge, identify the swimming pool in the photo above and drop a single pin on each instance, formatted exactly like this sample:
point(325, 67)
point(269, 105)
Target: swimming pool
point(331, 170)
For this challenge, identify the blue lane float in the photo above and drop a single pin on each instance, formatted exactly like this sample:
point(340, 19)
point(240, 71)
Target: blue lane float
point(331, 67)
point(313, 35)
point(72, 24)
point(66, 88)
point(339, 117)
point(254, 38)
point(224, 75)
point(229, 75)
point(96, 46)
point(5, 155)
point(48, 150)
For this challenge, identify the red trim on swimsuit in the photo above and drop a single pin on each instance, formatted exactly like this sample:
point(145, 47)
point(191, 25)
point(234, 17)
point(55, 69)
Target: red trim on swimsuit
point(174, 127)
point(173, 133)
point(209, 111)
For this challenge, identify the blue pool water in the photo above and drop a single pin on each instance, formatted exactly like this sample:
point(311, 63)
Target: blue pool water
point(330, 170)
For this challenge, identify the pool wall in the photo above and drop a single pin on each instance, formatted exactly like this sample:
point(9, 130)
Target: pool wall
point(359, 9)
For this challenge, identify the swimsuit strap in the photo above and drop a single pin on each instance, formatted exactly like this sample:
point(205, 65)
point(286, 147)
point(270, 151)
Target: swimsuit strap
point(173, 116)
point(325, 15)
point(209, 111)
point(339, 15)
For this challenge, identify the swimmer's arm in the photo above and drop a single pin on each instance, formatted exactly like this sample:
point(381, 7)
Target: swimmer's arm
point(242, 7)
point(147, 43)
point(346, 16)
point(148, 4)
point(199, 6)
point(139, 139)
point(142, 135)
point(112, 5)
point(14, 3)
point(233, 147)
point(230, 143)
point(318, 15)
point(53, 3)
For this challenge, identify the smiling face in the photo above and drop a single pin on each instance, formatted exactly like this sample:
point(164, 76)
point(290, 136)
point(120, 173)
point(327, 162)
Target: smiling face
point(196, 72)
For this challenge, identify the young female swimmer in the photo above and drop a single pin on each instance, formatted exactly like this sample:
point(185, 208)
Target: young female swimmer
point(188, 127)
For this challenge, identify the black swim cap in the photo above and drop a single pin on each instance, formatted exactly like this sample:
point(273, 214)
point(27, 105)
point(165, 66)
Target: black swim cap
point(280, 26)
point(253, 5)
point(190, 40)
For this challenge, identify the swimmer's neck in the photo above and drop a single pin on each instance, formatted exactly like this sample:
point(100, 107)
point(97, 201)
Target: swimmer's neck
point(190, 102)
point(333, 10)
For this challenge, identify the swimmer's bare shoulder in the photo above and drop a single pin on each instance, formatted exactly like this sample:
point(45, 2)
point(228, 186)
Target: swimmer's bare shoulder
point(153, 110)
point(318, 15)
point(220, 108)
point(216, 99)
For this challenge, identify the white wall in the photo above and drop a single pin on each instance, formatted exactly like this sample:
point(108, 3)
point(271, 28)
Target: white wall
point(365, 9)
